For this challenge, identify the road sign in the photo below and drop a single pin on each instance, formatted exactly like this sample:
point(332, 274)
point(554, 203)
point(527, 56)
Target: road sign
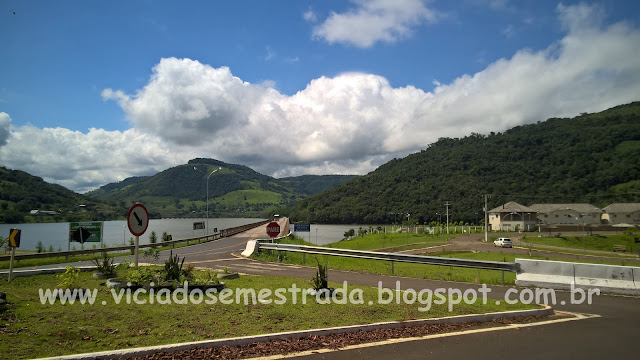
point(138, 219)
point(302, 227)
point(91, 231)
point(198, 225)
point(81, 235)
point(14, 238)
point(273, 229)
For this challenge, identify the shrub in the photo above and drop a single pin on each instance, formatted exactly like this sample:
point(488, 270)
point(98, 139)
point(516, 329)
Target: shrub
point(69, 277)
point(104, 265)
point(320, 279)
point(153, 238)
point(173, 268)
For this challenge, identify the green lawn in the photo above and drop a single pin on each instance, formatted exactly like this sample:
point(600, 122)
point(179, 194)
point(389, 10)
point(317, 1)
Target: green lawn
point(30, 329)
point(389, 240)
point(491, 256)
point(602, 242)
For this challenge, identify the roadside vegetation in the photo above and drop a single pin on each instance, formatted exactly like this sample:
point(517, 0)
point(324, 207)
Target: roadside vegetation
point(55, 329)
point(392, 241)
point(630, 239)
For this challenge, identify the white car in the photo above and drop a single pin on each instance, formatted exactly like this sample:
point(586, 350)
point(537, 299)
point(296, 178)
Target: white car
point(503, 242)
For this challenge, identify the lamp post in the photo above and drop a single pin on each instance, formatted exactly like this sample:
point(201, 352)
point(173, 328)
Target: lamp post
point(195, 168)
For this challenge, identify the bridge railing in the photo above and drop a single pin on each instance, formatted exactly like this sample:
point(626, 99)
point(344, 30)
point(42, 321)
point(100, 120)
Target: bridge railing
point(221, 234)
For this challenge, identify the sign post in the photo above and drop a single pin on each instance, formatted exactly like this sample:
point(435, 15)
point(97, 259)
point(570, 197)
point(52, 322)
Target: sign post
point(303, 227)
point(83, 232)
point(273, 230)
point(138, 222)
point(14, 242)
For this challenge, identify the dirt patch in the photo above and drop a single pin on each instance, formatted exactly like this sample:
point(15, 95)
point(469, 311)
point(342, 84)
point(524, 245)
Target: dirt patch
point(338, 341)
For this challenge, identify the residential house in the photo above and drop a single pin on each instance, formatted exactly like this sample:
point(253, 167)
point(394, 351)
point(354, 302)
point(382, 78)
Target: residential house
point(567, 214)
point(512, 217)
point(622, 213)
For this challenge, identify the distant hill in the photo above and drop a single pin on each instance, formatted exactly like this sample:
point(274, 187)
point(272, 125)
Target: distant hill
point(590, 158)
point(314, 184)
point(22, 193)
point(235, 190)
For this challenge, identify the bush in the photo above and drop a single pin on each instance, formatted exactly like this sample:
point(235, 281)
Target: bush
point(173, 267)
point(320, 280)
point(104, 265)
point(69, 277)
point(153, 238)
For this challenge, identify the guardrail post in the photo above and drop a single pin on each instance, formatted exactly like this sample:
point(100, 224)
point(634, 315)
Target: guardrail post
point(392, 271)
point(502, 277)
point(304, 259)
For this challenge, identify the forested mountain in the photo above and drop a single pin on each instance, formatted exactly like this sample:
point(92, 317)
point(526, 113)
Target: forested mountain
point(20, 193)
point(234, 190)
point(590, 158)
point(313, 184)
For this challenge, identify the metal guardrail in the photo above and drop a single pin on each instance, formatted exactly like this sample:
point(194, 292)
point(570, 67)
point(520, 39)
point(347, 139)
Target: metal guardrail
point(221, 234)
point(394, 257)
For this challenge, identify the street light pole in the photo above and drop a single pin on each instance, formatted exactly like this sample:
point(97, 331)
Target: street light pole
point(195, 168)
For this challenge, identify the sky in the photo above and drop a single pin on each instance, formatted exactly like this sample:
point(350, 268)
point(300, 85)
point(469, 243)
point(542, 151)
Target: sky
point(93, 92)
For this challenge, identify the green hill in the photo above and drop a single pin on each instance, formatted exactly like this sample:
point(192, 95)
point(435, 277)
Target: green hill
point(590, 158)
point(234, 190)
point(22, 193)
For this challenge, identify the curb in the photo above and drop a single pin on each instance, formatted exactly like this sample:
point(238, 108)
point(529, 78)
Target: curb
point(546, 311)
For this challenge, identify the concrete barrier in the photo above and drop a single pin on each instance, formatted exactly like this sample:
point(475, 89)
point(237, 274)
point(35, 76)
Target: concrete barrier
point(561, 275)
point(250, 248)
point(606, 277)
point(554, 274)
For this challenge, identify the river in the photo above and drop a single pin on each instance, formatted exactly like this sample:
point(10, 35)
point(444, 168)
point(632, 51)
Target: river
point(116, 233)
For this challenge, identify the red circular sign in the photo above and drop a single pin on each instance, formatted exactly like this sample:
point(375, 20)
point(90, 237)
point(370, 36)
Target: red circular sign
point(273, 229)
point(138, 219)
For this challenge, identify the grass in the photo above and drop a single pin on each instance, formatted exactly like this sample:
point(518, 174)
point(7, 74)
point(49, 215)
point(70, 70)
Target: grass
point(391, 240)
point(492, 256)
point(30, 329)
point(596, 242)
point(242, 197)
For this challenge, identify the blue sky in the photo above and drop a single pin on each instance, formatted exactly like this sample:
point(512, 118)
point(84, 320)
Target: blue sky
point(330, 86)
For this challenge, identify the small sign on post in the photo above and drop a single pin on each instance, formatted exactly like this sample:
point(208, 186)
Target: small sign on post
point(14, 242)
point(138, 222)
point(273, 230)
point(302, 227)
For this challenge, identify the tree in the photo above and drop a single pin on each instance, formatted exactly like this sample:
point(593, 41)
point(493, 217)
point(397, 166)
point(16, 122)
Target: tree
point(153, 238)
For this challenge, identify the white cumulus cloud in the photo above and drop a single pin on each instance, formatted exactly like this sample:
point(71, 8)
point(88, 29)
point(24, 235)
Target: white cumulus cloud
point(373, 21)
point(350, 123)
point(5, 127)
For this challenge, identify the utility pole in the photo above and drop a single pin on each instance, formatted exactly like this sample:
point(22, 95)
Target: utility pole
point(486, 226)
point(446, 203)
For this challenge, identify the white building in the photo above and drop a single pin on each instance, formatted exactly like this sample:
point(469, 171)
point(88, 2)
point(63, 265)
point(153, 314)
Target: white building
point(512, 217)
point(622, 213)
point(567, 214)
